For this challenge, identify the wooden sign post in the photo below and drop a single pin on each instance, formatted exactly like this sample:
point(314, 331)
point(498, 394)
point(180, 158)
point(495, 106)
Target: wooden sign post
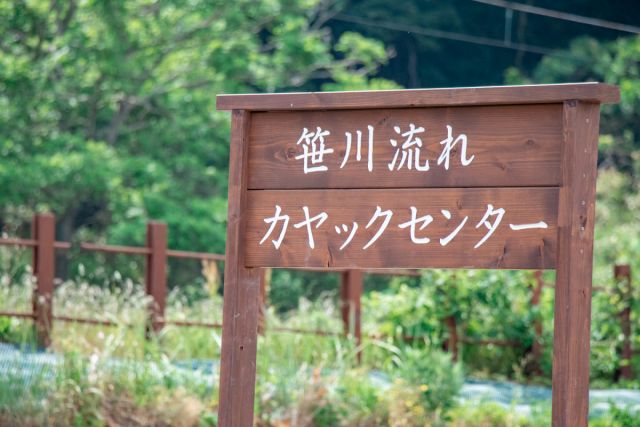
point(490, 177)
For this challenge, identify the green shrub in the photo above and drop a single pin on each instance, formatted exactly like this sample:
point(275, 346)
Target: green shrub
point(436, 376)
point(618, 417)
point(485, 415)
point(406, 407)
point(363, 398)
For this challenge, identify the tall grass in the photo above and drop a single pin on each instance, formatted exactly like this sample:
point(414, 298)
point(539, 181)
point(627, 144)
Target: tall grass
point(111, 375)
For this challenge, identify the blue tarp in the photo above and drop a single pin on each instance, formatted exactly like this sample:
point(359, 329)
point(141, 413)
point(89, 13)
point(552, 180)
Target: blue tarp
point(24, 367)
point(523, 397)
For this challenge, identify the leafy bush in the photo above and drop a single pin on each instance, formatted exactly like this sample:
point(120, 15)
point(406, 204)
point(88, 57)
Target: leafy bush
point(486, 415)
point(436, 376)
point(618, 417)
point(405, 406)
point(484, 304)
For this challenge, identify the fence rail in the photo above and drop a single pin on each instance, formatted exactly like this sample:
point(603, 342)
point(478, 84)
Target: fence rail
point(19, 314)
point(44, 245)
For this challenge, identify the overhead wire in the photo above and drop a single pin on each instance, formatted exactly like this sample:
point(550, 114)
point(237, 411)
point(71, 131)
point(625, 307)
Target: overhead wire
point(461, 37)
point(565, 16)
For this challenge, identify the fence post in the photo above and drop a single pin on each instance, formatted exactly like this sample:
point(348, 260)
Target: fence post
point(43, 232)
point(156, 277)
point(452, 342)
point(622, 273)
point(536, 348)
point(350, 294)
point(265, 282)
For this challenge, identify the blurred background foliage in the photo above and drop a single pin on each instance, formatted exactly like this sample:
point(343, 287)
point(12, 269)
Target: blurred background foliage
point(107, 119)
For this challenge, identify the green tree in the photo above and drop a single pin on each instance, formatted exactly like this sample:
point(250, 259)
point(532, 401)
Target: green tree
point(107, 113)
point(588, 59)
point(428, 61)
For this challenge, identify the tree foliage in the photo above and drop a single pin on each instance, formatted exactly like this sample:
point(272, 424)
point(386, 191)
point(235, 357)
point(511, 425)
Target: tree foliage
point(107, 118)
point(107, 111)
point(427, 61)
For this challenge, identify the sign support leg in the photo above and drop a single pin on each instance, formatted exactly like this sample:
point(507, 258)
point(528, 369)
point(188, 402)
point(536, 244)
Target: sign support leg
point(572, 317)
point(241, 296)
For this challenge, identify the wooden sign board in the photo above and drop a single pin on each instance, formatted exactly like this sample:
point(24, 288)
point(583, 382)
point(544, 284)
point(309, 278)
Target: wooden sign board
point(495, 177)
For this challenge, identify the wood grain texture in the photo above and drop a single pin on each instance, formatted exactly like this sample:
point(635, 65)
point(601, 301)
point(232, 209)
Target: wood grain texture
point(241, 295)
point(572, 308)
point(506, 248)
point(512, 146)
point(489, 95)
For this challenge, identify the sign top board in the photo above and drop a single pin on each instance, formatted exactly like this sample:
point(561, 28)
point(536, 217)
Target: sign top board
point(486, 95)
point(465, 178)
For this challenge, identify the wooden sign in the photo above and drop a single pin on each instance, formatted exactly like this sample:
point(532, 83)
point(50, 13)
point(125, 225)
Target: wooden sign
point(495, 177)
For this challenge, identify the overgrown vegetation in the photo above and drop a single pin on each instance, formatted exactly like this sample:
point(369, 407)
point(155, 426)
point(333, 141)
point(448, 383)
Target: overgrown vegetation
point(97, 375)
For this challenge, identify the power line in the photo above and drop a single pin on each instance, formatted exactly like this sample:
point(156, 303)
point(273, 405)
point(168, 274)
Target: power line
point(430, 32)
point(562, 15)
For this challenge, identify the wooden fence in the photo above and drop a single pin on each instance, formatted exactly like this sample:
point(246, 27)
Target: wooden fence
point(622, 275)
point(156, 253)
point(44, 245)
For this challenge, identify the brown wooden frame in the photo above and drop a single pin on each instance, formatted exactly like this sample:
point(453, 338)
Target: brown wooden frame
point(575, 223)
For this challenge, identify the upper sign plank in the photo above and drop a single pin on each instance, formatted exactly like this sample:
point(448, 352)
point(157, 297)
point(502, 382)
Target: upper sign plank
point(480, 146)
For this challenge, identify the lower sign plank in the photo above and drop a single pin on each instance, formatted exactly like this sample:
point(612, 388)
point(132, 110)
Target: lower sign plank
point(509, 228)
